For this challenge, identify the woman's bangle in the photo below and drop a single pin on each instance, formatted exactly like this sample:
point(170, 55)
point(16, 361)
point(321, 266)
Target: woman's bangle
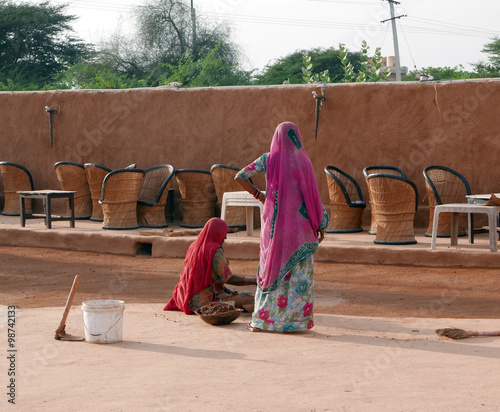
point(256, 194)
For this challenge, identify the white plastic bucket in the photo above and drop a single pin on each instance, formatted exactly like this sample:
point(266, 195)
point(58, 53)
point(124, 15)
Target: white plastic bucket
point(103, 320)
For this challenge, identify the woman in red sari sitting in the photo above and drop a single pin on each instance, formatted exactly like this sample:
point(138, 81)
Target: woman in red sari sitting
point(206, 271)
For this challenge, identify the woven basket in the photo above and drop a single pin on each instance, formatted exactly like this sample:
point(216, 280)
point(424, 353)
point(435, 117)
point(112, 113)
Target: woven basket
point(95, 177)
point(451, 188)
point(198, 196)
point(153, 196)
point(394, 202)
point(223, 178)
point(120, 193)
point(15, 177)
point(72, 177)
point(222, 318)
point(344, 217)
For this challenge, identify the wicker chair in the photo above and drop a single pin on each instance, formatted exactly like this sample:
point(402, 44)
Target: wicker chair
point(393, 170)
point(15, 177)
point(95, 176)
point(223, 178)
point(153, 196)
point(346, 202)
point(72, 176)
point(394, 199)
point(198, 196)
point(445, 185)
point(119, 197)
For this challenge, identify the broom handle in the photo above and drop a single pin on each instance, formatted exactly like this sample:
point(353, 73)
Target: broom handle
point(72, 293)
point(497, 333)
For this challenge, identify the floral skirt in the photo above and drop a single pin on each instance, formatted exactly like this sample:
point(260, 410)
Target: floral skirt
point(288, 308)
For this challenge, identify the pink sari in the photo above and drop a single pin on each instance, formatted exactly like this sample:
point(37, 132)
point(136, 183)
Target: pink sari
point(293, 210)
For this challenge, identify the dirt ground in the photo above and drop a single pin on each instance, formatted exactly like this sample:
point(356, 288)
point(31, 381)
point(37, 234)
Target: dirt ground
point(36, 277)
point(373, 347)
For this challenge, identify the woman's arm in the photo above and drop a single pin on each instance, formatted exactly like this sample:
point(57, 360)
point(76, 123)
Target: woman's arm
point(244, 175)
point(241, 281)
point(250, 188)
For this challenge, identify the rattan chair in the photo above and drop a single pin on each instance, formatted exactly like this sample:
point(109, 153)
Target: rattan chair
point(223, 178)
point(119, 197)
point(393, 170)
point(394, 199)
point(346, 202)
point(198, 196)
point(95, 176)
point(72, 176)
point(445, 185)
point(15, 177)
point(153, 196)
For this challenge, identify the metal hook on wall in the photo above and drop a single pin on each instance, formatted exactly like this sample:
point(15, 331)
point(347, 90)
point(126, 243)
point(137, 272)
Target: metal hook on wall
point(320, 101)
point(51, 112)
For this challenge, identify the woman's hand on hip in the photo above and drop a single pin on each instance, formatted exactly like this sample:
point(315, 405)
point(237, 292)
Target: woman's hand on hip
point(321, 234)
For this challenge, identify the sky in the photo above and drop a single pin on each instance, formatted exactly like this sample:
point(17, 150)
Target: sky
point(430, 33)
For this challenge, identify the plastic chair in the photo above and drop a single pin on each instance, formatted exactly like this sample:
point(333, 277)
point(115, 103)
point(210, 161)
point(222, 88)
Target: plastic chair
point(119, 197)
point(395, 200)
point(72, 177)
point(346, 202)
point(445, 185)
point(198, 196)
point(223, 178)
point(153, 196)
point(15, 177)
point(95, 176)
point(379, 169)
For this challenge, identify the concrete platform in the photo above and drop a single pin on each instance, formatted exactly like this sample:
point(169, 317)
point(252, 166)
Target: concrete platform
point(358, 247)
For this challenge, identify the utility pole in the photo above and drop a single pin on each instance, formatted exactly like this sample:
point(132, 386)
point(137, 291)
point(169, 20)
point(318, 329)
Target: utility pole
point(395, 37)
point(193, 21)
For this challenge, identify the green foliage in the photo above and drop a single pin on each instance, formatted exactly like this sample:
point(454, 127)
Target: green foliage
point(441, 73)
point(492, 68)
point(370, 69)
point(92, 76)
point(36, 44)
point(212, 70)
point(290, 69)
point(307, 73)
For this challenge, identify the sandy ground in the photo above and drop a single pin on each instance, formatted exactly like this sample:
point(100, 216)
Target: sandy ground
point(373, 347)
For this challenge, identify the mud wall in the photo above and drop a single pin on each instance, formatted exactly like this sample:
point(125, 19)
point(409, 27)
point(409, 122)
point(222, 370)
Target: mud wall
point(410, 125)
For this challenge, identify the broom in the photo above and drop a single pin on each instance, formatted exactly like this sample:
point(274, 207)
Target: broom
point(455, 333)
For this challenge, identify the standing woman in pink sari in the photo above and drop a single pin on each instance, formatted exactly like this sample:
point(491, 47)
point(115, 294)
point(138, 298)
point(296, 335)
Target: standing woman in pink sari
point(293, 224)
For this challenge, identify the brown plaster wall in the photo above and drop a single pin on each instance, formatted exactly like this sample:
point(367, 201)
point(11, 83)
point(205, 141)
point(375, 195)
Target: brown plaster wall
point(410, 125)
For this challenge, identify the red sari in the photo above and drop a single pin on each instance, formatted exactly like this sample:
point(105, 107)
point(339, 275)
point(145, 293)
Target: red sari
point(197, 274)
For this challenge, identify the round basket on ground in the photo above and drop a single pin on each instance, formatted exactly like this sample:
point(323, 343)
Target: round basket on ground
point(218, 313)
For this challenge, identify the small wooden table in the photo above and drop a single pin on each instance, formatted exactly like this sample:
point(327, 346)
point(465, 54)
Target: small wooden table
point(47, 196)
point(455, 209)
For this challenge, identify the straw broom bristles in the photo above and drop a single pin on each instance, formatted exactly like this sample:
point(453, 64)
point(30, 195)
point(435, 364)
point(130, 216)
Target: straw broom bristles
point(455, 333)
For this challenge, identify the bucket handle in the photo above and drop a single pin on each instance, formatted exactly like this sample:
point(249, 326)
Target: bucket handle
point(99, 334)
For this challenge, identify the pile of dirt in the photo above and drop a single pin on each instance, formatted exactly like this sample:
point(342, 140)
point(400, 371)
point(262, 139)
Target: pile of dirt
point(216, 308)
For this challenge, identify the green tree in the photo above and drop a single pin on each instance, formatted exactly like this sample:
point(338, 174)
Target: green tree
point(492, 67)
point(211, 70)
point(290, 68)
point(165, 40)
point(36, 43)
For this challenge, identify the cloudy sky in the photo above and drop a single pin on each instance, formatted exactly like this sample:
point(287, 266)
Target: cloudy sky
point(433, 33)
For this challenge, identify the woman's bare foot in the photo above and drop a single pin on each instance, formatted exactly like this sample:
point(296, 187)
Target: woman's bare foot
point(253, 328)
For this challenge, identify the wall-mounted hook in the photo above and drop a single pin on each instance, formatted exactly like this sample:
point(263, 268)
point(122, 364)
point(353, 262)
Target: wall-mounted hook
point(320, 101)
point(51, 112)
